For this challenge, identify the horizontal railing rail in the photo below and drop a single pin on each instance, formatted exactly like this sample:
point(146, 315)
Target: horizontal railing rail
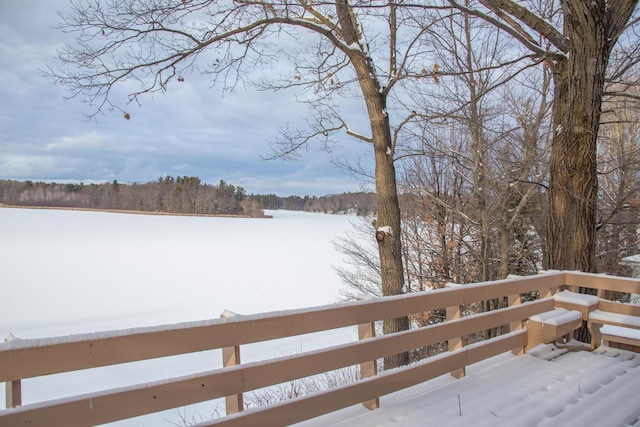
point(602, 282)
point(29, 358)
point(307, 407)
point(157, 396)
point(21, 359)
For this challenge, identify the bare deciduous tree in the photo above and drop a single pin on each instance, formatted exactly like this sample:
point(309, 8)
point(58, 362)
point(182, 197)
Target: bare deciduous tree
point(487, 130)
point(576, 39)
point(144, 45)
point(619, 171)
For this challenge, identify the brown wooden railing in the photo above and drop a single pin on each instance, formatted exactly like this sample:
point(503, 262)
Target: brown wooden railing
point(20, 359)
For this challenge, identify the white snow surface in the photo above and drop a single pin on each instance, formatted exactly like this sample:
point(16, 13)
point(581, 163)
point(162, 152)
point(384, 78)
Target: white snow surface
point(386, 229)
point(547, 315)
point(67, 272)
point(77, 272)
point(633, 259)
point(574, 389)
point(609, 317)
point(576, 298)
point(621, 331)
point(557, 317)
point(71, 272)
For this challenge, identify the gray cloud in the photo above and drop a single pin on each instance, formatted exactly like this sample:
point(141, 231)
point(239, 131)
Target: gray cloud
point(191, 130)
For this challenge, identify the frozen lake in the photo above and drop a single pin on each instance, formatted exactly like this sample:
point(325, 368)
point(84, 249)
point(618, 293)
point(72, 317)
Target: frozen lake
point(75, 271)
point(67, 272)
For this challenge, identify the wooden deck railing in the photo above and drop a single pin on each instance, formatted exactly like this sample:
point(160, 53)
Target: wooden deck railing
point(20, 359)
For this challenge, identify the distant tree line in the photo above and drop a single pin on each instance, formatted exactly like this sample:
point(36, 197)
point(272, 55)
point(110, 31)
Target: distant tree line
point(360, 203)
point(179, 195)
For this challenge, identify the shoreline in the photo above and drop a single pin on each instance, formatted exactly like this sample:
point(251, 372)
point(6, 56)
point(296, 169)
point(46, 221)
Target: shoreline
point(131, 212)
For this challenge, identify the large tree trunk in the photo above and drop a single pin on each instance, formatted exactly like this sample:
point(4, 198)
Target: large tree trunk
point(573, 181)
point(387, 225)
point(389, 245)
point(591, 29)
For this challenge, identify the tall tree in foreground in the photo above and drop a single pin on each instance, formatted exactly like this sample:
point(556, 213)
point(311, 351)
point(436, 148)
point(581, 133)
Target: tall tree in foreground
point(576, 38)
point(148, 44)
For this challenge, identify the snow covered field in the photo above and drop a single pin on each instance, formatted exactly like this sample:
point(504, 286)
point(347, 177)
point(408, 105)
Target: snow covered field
point(67, 272)
point(74, 271)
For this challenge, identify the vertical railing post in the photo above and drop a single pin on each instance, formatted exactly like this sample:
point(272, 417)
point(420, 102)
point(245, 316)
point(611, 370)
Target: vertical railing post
point(455, 343)
point(231, 357)
point(370, 368)
point(514, 300)
point(13, 392)
point(546, 293)
point(549, 292)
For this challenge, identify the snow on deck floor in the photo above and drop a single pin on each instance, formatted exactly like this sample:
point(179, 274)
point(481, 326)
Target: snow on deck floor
point(577, 388)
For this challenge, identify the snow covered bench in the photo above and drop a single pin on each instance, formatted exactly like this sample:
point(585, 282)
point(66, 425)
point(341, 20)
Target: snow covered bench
point(619, 328)
point(573, 301)
point(550, 326)
point(621, 337)
point(610, 323)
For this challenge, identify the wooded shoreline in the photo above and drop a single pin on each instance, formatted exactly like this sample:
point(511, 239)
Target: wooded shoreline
point(132, 212)
point(180, 195)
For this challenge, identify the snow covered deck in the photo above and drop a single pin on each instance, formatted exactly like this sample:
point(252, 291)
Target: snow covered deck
point(545, 386)
point(548, 386)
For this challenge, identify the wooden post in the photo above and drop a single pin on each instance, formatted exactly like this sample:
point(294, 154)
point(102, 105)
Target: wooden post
point(546, 293)
point(596, 334)
point(231, 357)
point(368, 369)
point(517, 325)
point(13, 388)
point(455, 312)
point(13, 393)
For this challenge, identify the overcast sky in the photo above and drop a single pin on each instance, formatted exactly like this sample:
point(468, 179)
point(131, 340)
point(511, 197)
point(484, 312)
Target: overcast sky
point(191, 130)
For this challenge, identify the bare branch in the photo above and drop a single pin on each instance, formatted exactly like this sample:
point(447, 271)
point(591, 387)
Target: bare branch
point(532, 20)
point(505, 27)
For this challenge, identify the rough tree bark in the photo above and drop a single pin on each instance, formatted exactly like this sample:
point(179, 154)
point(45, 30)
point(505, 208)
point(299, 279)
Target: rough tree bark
point(578, 56)
point(579, 86)
point(573, 178)
point(387, 224)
